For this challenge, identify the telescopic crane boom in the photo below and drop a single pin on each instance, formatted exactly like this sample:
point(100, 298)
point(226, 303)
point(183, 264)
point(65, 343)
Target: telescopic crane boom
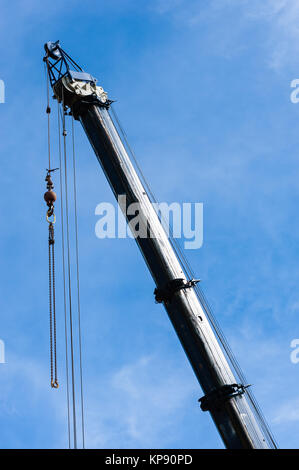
point(225, 398)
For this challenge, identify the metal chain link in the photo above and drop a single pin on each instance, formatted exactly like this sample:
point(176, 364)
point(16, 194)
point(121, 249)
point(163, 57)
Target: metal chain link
point(52, 309)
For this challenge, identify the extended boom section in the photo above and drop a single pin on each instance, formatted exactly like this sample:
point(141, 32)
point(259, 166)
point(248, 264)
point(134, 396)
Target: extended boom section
point(225, 398)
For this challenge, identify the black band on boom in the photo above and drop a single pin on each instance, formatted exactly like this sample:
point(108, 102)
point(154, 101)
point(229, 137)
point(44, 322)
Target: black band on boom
point(165, 294)
point(218, 396)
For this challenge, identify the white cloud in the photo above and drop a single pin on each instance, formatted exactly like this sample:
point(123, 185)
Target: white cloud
point(277, 20)
point(288, 412)
point(141, 405)
point(282, 17)
point(165, 6)
point(27, 402)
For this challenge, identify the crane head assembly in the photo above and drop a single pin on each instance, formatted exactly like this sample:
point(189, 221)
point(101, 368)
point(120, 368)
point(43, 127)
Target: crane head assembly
point(69, 81)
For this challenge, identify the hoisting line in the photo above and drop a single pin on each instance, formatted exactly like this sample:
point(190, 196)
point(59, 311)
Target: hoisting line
point(64, 282)
point(78, 285)
point(64, 133)
point(48, 111)
point(203, 301)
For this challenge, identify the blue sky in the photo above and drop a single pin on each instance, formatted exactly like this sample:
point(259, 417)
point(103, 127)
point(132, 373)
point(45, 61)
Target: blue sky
point(203, 91)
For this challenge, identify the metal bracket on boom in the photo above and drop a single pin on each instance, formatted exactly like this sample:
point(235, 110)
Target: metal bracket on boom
point(165, 294)
point(218, 396)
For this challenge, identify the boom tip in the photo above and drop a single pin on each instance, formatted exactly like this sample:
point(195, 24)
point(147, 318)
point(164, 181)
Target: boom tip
point(53, 50)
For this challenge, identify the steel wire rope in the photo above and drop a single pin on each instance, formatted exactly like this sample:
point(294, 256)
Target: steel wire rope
point(64, 133)
point(64, 277)
point(203, 301)
point(78, 285)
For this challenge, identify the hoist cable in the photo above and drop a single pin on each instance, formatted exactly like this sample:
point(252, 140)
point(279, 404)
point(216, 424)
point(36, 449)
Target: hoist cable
point(124, 135)
point(64, 283)
point(222, 339)
point(152, 198)
point(69, 273)
point(201, 297)
point(48, 111)
point(229, 353)
point(78, 285)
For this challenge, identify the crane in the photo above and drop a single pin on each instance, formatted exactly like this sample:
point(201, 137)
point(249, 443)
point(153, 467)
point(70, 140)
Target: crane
point(227, 399)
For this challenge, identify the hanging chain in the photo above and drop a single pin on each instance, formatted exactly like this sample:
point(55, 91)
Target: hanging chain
point(50, 198)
